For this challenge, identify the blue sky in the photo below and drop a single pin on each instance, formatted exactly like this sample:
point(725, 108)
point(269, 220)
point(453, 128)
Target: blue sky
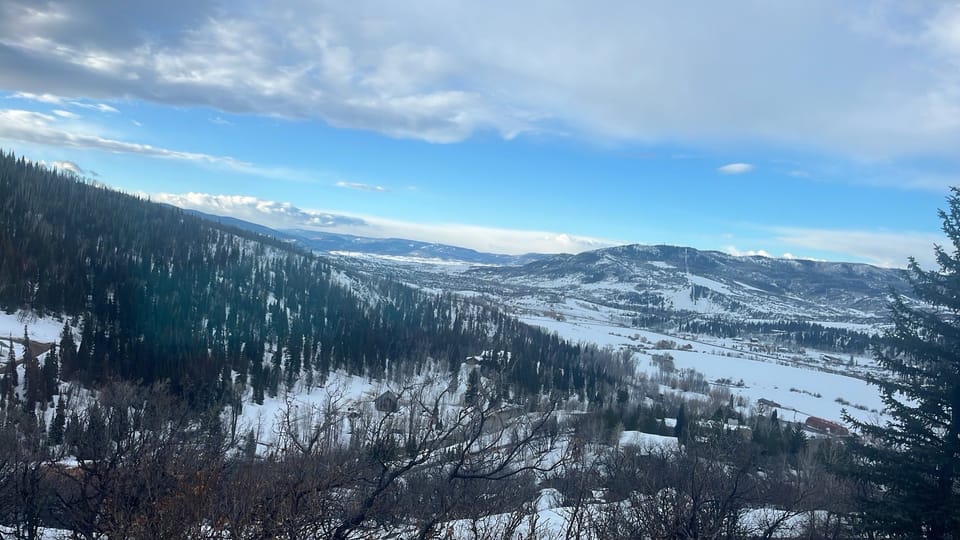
point(813, 129)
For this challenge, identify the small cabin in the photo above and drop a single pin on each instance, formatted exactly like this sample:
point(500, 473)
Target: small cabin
point(387, 402)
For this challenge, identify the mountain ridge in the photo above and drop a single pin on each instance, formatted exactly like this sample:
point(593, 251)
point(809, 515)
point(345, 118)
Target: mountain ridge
point(661, 277)
point(659, 280)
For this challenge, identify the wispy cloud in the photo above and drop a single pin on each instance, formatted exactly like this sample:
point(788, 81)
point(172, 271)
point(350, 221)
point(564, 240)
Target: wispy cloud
point(69, 166)
point(288, 216)
point(882, 248)
point(360, 187)
point(270, 213)
point(102, 107)
point(40, 128)
point(65, 114)
point(59, 100)
point(41, 98)
point(735, 168)
point(29, 126)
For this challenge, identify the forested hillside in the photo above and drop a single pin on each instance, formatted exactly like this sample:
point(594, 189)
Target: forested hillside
point(160, 295)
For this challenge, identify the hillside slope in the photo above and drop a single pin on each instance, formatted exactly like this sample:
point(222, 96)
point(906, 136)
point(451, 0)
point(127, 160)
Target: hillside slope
point(160, 295)
point(679, 280)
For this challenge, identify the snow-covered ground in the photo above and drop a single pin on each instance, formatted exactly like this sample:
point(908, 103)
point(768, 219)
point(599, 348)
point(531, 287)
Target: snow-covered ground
point(798, 387)
point(44, 330)
point(648, 441)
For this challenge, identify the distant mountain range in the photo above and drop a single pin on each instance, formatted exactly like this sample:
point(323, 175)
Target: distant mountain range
point(674, 282)
point(679, 279)
point(398, 247)
point(326, 242)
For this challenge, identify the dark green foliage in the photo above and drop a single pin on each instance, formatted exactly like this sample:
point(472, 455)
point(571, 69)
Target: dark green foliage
point(795, 440)
point(473, 387)
point(767, 434)
point(910, 465)
point(58, 425)
point(681, 429)
point(33, 384)
point(163, 296)
point(10, 378)
point(799, 333)
point(51, 374)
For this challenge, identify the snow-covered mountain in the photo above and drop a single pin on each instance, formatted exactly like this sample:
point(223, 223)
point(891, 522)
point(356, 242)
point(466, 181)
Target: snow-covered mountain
point(326, 242)
point(393, 248)
point(650, 279)
point(669, 282)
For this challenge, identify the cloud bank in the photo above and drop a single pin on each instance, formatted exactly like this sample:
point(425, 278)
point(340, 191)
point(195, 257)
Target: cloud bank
point(888, 249)
point(876, 82)
point(282, 215)
point(880, 248)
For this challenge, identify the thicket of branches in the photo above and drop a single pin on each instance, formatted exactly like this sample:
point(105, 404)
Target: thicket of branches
point(136, 462)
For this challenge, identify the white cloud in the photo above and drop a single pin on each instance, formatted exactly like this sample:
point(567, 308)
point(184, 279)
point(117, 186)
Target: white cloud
point(59, 100)
point(102, 107)
point(732, 250)
point(889, 249)
point(880, 82)
point(269, 213)
point(287, 216)
point(360, 187)
point(42, 98)
point(735, 168)
point(65, 114)
point(68, 166)
point(33, 127)
point(38, 128)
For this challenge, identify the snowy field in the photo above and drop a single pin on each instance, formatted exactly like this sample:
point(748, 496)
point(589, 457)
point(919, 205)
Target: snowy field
point(802, 391)
point(44, 330)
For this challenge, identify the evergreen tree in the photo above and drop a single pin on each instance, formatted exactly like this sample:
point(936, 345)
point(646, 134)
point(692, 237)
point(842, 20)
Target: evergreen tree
point(10, 377)
point(912, 461)
point(681, 429)
point(774, 440)
point(5, 377)
point(51, 374)
point(33, 391)
point(473, 388)
point(68, 352)
point(58, 425)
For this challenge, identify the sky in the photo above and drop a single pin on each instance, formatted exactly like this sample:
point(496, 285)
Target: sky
point(812, 129)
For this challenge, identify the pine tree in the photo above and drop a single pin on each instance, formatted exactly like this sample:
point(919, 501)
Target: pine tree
point(33, 391)
point(59, 422)
point(680, 430)
point(68, 352)
point(912, 461)
point(4, 378)
point(51, 374)
point(473, 388)
point(10, 377)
